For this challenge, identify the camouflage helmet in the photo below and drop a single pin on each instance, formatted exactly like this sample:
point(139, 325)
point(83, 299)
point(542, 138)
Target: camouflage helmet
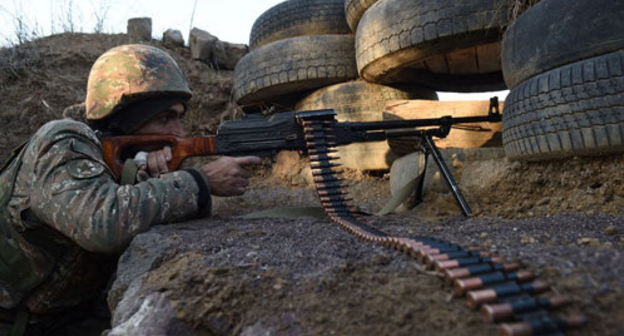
point(129, 73)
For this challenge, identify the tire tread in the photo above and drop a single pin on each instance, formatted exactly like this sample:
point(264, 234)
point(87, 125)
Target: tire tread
point(294, 64)
point(567, 111)
point(299, 18)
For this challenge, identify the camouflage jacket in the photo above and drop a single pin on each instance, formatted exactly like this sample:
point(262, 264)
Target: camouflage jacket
point(65, 193)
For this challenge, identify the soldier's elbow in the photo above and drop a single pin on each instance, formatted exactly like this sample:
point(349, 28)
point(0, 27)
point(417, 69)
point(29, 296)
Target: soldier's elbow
point(104, 239)
point(103, 245)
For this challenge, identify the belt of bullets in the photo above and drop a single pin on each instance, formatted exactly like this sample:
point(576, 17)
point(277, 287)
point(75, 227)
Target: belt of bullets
point(504, 293)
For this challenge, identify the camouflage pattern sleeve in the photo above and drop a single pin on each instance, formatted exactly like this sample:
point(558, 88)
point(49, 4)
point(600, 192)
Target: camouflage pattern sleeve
point(75, 193)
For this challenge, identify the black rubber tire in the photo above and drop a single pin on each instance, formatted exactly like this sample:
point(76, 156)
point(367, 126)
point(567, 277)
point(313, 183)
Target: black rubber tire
point(359, 100)
point(293, 65)
point(577, 109)
point(354, 9)
point(554, 33)
point(299, 18)
point(362, 101)
point(395, 38)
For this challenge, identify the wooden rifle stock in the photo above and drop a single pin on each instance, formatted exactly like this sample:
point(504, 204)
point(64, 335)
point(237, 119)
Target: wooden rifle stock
point(115, 149)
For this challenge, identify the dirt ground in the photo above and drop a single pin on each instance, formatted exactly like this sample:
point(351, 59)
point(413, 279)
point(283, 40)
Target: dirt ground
point(305, 276)
point(494, 187)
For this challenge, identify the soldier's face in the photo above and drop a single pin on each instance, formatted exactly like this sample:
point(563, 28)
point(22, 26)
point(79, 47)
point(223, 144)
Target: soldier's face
point(168, 122)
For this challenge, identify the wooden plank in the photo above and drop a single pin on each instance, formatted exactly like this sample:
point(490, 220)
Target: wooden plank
point(437, 64)
point(463, 62)
point(489, 57)
point(475, 135)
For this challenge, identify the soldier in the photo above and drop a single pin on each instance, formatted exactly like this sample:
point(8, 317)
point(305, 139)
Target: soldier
point(64, 219)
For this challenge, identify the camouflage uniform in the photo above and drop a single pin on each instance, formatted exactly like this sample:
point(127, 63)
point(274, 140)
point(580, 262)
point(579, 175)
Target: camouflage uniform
point(64, 185)
point(73, 219)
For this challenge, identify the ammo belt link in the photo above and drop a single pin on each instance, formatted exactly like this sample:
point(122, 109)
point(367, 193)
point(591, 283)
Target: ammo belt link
point(503, 292)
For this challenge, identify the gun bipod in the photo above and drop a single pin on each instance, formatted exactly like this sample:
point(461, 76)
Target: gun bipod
point(429, 148)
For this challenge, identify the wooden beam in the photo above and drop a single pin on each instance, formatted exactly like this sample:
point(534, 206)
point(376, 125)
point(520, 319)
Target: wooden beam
point(462, 136)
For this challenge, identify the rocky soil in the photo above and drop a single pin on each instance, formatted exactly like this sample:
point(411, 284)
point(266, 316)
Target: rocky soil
point(228, 276)
point(305, 276)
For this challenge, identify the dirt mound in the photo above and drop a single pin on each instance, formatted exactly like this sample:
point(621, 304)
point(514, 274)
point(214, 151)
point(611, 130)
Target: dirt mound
point(307, 277)
point(493, 188)
point(39, 79)
point(510, 189)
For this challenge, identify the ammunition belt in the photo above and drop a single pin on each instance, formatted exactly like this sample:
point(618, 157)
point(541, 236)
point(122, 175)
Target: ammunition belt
point(503, 292)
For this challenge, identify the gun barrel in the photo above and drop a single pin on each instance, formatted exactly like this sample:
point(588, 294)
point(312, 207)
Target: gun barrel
point(396, 124)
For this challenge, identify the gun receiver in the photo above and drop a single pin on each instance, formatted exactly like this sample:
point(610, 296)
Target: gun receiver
point(283, 131)
point(263, 136)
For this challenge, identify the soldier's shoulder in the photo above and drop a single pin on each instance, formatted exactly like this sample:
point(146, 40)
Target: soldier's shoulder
point(57, 130)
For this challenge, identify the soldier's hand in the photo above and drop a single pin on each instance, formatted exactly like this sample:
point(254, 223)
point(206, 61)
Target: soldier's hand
point(157, 161)
point(227, 175)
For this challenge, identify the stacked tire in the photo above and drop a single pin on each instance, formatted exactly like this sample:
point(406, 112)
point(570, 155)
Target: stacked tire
point(354, 9)
point(303, 57)
point(566, 80)
point(296, 46)
point(444, 45)
point(447, 45)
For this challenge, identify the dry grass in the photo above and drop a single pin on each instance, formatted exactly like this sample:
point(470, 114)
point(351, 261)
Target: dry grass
point(198, 122)
point(521, 6)
point(19, 61)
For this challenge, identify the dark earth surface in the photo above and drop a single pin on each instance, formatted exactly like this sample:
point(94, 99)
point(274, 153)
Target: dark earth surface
point(306, 276)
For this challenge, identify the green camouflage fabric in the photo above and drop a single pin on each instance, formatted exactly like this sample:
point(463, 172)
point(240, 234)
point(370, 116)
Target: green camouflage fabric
point(128, 73)
point(65, 192)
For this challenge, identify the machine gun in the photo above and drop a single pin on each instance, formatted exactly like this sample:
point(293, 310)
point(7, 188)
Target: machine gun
point(264, 136)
